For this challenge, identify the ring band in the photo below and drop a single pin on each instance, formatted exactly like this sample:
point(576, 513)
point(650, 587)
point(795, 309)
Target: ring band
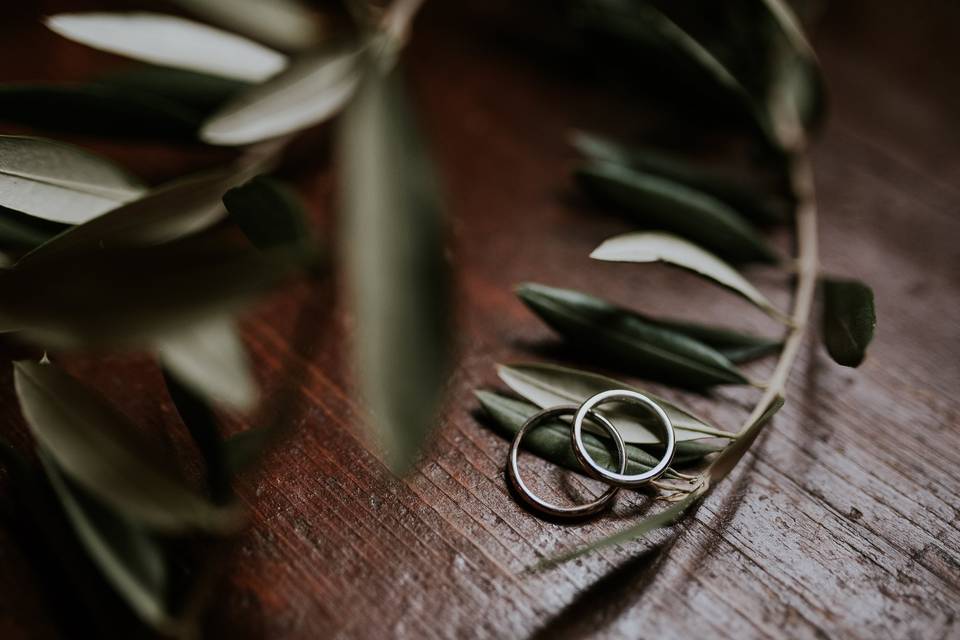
point(539, 504)
point(619, 479)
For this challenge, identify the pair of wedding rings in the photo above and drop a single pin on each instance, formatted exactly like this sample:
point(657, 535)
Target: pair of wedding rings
point(589, 410)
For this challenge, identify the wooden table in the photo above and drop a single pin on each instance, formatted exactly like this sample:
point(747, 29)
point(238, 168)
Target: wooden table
point(844, 520)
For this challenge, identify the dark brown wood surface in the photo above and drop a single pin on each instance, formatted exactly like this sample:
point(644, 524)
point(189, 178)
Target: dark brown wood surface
point(844, 520)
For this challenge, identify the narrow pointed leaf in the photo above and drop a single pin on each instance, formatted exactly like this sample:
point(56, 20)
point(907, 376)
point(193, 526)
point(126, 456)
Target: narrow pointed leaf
point(664, 204)
point(398, 274)
point(198, 93)
point(735, 346)
point(270, 214)
point(59, 182)
point(664, 247)
point(131, 560)
point(99, 299)
point(849, 320)
point(22, 232)
point(163, 214)
point(97, 110)
point(311, 90)
point(93, 445)
point(740, 197)
point(210, 359)
point(554, 445)
point(547, 386)
point(285, 24)
point(171, 41)
point(626, 338)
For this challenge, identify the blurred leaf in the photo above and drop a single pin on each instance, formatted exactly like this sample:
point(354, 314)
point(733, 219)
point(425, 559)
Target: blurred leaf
point(95, 446)
point(19, 231)
point(197, 92)
point(745, 199)
point(626, 338)
point(547, 386)
point(552, 441)
point(663, 247)
point(96, 110)
point(285, 24)
point(665, 204)
point(171, 41)
point(133, 296)
point(60, 182)
point(131, 560)
point(210, 359)
point(398, 274)
point(849, 320)
point(313, 89)
point(270, 214)
point(243, 449)
point(165, 213)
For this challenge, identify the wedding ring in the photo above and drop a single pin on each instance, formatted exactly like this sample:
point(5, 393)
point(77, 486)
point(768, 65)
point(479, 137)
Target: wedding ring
point(539, 504)
point(619, 479)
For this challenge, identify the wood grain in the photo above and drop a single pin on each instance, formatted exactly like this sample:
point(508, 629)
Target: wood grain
point(844, 520)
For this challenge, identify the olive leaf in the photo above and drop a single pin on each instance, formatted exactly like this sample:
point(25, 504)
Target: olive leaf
point(270, 214)
point(99, 299)
point(59, 182)
point(313, 89)
point(131, 560)
point(735, 346)
point(171, 41)
point(664, 247)
point(166, 213)
point(199, 93)
point(628, 339)
point(849, 320)
point(554, 445)
point(210, 359)
point(22, 232)
point(97, 448)
point(664, 204)
point(398, 275)
point(548, 385)
point(285, 24)
point(744, 199)
point(100, 110)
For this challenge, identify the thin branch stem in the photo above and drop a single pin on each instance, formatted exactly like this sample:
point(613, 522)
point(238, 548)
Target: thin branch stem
point(801, 178)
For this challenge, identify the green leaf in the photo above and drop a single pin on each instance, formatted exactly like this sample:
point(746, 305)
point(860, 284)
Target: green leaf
point(620, 335)
point(197, 92)
point(849, 320)
point(96, 110)
point(131, 560)
point(664, 247)
point(59, 182)
point(552, 441)
point(740, 197)
point(166, 213)
point(735, 346)
point(99, 298)
point(547, 386)
point(398, 273)
point(664, 204)
point(285, 24)
point(21, 232)
point(210, 359)
point(171, 41)
point(96, 447)
point(313, 89)
point(270, 214)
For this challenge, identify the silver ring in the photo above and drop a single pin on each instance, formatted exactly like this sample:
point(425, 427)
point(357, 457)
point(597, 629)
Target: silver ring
point(539, 504)
point(619, 479)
